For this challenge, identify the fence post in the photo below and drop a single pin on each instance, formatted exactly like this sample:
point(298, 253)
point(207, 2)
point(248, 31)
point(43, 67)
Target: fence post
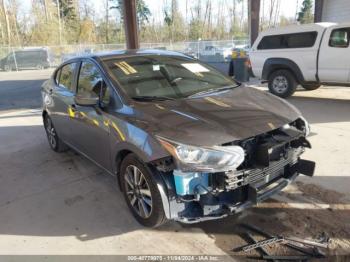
point(14, 58)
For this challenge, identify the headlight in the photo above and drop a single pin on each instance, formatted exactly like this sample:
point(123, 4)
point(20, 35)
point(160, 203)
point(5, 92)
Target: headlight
point(306, 126)
point(213, 159)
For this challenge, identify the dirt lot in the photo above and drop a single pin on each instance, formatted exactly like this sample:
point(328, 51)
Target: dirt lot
point(62, 204)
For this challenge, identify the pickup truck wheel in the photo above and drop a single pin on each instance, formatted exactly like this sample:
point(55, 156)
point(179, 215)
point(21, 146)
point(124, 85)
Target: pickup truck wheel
point(311, 87)
point(141, 192)
point(282, 83)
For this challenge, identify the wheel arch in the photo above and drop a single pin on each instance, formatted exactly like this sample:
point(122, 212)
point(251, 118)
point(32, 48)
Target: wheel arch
point(273, 64)
point(119, 157)
point(157, 176)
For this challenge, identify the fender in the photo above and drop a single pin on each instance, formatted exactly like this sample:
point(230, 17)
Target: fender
point(273, 64)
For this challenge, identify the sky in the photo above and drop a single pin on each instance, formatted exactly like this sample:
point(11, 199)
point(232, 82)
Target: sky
point(287, 8)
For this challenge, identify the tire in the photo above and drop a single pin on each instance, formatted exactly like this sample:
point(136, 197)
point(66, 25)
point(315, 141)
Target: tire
point(142, 198)
point(7, 68)
point(311, 87)
point(282, 83)
point(55, 142)
point(39, 67)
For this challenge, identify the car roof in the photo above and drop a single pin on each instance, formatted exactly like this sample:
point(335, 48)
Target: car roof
point(297, 28)
point(105, 55)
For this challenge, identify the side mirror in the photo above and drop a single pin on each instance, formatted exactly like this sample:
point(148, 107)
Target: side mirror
point(86, 100)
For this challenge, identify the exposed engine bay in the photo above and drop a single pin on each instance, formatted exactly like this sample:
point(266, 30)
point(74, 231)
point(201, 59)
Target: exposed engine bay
point(272, 161)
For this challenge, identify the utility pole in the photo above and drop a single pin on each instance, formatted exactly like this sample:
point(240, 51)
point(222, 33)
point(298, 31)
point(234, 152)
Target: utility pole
point(130, 24)
point(253, 18)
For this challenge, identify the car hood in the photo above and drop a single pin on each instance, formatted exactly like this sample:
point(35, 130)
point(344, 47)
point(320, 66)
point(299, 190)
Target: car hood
point(216, 119)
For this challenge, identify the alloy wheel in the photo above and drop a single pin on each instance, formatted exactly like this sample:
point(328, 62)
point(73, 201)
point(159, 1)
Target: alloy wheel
point(51, 133)
point(138, 191)
point(280, 84)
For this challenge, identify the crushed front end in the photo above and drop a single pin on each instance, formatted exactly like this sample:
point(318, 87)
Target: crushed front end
point(271, 162)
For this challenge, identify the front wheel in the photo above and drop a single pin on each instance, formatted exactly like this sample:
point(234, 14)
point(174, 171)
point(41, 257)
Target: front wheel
point(7, 68)
point(311, 86)
point(141, 192)
point(39, 67)
point(282, 83)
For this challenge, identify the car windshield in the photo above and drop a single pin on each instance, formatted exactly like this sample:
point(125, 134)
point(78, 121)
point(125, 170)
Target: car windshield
point(168, 77)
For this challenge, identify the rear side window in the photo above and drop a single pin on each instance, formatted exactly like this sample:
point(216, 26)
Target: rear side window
point(340, 38)
point(66, 78)
point(298, 40)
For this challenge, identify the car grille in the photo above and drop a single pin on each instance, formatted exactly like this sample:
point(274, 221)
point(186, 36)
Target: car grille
point(235, 179)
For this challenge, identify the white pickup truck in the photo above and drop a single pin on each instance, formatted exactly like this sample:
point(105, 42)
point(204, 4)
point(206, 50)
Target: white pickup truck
point(309, 55)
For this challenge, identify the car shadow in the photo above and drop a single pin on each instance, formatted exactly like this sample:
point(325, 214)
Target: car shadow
point(43, 193)
point(289, 214)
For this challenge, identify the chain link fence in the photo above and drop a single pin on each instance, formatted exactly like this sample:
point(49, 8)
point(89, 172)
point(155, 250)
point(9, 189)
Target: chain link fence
point(39, 57)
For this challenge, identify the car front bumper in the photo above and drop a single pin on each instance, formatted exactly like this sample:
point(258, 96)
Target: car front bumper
point(210, 206)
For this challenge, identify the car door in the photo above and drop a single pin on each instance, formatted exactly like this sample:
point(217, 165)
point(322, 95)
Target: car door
point(334, 62)
point(62, 95)
point(90, 128)
point(22, 60)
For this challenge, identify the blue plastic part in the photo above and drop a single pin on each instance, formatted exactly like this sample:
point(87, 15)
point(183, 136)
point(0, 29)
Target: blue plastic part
point(190, 183)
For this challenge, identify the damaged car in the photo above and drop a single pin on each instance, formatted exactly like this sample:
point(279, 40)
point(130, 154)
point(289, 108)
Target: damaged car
point(184, 141)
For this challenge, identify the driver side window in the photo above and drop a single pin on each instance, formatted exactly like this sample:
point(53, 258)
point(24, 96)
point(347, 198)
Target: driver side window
point(91, 83)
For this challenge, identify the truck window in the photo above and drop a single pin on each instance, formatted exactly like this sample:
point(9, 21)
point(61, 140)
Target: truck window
point(340, 38)
point(271, 42)
point(296, 40)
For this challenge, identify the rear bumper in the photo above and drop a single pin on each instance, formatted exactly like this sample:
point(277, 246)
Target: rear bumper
point(248, 196)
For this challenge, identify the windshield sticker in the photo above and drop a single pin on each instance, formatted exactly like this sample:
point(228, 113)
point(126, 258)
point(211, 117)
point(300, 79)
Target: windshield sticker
point(126, 68)
point(195, 68)
point(156, 67)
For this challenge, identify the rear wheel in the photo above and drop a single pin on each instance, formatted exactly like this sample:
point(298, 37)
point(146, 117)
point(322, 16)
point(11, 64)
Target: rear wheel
point(282, 83)
point(311, 86)
point(141, 192)
point(55, 142)
point(7, 68)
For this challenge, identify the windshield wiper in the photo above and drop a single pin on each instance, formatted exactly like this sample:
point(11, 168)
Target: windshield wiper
point(152, 98)
point(212, 90)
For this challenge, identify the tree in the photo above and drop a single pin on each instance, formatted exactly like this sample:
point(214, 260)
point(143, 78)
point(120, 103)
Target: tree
point(4, 11)
point(142, 11)
point(305, 15)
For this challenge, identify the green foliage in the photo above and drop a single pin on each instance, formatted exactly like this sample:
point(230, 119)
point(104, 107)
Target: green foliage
point(142, 11)
point(306, 15)
point(67, 10)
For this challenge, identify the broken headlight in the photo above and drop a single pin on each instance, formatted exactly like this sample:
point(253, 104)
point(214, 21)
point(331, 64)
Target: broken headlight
point(306, 126)
point(204, 159)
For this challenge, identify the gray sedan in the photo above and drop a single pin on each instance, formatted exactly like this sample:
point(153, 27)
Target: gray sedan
point(184, 141)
